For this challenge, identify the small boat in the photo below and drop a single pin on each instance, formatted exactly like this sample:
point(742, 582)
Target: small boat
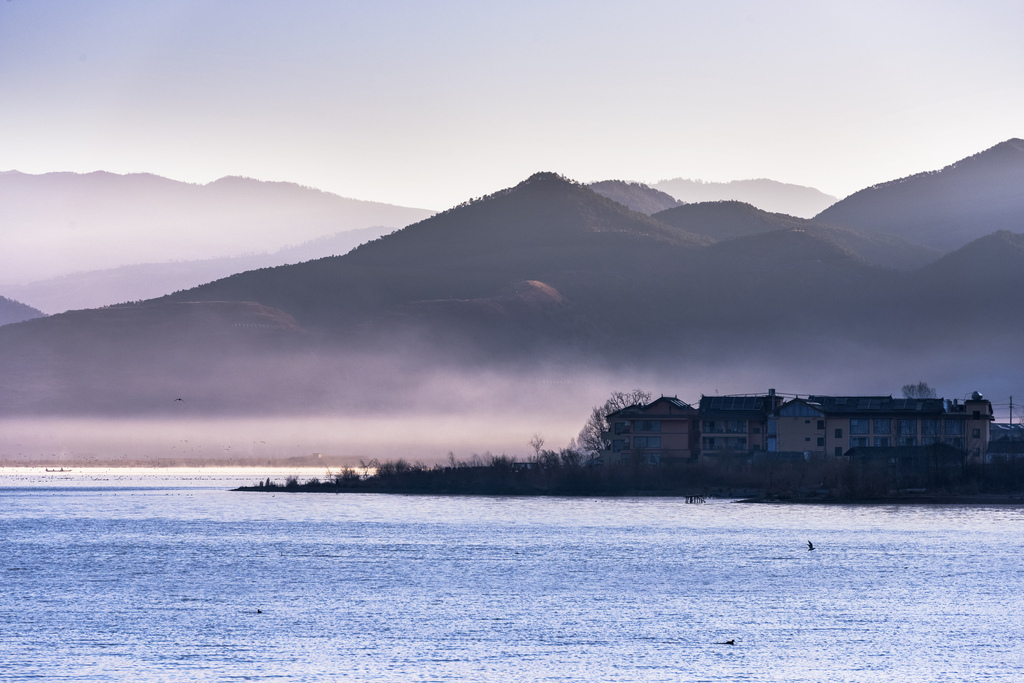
point(60, 470)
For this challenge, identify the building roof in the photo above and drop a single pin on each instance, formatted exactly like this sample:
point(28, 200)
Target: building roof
point(724, 406)
point(665, 403)
point(852, 405)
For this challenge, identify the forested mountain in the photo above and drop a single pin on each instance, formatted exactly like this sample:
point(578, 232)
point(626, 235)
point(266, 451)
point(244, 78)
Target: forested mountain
point(768, 195)
point(15, 312)
point(635, 196)
point(943, 209)
point(60, 223)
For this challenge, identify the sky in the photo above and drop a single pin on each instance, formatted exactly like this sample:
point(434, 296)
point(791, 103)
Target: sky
point(430, 103)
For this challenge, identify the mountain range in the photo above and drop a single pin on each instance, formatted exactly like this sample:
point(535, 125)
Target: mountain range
point(56, 224)
point(547, 273)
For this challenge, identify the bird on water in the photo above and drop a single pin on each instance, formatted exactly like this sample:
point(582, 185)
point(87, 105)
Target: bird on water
point(731, 641)
point(810, 546)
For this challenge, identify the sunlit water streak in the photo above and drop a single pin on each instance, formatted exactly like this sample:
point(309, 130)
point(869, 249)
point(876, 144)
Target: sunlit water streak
point(149, 579)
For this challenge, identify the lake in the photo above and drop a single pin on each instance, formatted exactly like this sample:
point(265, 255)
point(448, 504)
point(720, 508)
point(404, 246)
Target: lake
point(158, 575)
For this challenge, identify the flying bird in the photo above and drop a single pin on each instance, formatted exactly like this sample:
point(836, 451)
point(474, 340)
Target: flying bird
point(810, 546)
point(179, 399)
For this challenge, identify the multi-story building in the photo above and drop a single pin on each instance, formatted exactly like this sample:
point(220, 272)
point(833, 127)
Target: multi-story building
point(735, 424)
point(832, 425)
point(662, 431)
point(816, 426)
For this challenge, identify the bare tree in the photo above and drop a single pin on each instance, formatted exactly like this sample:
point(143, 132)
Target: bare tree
point(919, 390)
point(591, 438)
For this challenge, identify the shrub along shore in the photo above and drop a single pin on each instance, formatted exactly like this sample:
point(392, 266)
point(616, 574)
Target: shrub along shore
point(564, 473)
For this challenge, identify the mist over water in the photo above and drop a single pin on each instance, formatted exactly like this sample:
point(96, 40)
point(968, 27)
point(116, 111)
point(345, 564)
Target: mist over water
point(362, 406)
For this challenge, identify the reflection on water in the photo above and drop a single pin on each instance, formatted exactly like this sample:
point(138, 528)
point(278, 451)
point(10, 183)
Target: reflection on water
point(143, 578)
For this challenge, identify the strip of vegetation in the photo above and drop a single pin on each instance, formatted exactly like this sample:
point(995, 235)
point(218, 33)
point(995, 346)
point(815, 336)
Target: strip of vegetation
point(566, 473)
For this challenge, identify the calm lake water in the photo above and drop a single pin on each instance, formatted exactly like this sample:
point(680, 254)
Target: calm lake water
point(135, 575)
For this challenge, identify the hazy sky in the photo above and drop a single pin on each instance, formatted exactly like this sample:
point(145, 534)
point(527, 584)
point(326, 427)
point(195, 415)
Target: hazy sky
point(429, 103)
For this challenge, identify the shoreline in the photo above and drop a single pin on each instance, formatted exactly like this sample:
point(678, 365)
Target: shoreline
point(744, 496)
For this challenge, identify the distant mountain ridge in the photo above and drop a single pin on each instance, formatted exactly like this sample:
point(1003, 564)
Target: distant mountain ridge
point(944, 209)
point(768, 195)
point(60, 223)
point(93, 289)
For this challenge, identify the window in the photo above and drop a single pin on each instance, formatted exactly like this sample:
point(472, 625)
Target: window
point(773, 426)
point(929, 427)
point(955, 427)
point(860, 426)
point(807, 438)
point(736, 443)
point(839, 451)
point(653, 458)
point(821, 424)
point(882, 425)
point(906, 427)
point(976, 415)
point(621, 428)
point(955, 441)
point(906, 440)
point(619, 445)
point(647, 425)
point(773, 444)
point(807, 422)
point(736, 426)
point(709, 444)
point(839, 433)
point(858, 441)
point(882, 442)
point(929, 440)
point(646, 442)
point(755, 430)
point(975, 433)
point(712, 427)
point(821, 442)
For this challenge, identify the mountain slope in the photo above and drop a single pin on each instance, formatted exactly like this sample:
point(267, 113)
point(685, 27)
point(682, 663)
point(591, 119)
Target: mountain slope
point(944, 209)
point(768, 195)
point(15, 312)
point(60, 223)
point(730, 219)
point(635, 196)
